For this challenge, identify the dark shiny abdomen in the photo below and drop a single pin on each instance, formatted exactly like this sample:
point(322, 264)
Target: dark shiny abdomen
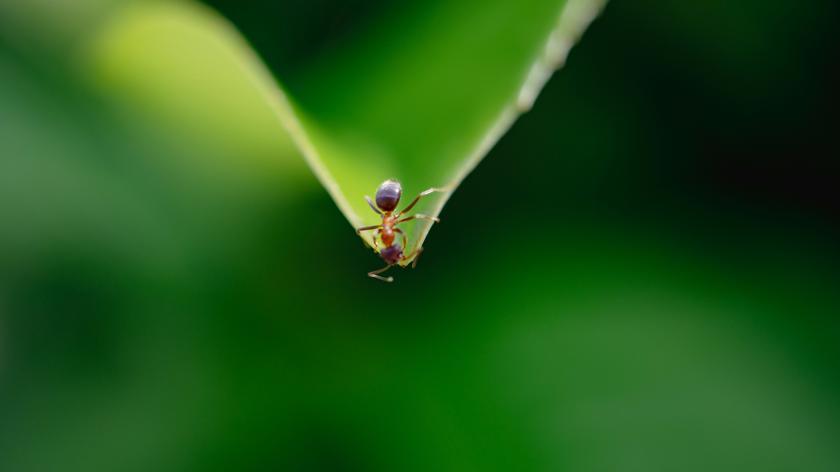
point(388, 195)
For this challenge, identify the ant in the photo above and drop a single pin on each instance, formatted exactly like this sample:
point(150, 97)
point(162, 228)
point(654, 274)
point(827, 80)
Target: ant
point(387, 198)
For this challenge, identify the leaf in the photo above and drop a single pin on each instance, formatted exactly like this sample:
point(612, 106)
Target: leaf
point(183, 66)
point(420, 98)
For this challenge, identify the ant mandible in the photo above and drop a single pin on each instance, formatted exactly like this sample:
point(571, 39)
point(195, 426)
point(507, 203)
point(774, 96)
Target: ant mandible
point(387, 198)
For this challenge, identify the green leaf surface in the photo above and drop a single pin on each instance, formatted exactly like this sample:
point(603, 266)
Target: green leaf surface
point(421, 97)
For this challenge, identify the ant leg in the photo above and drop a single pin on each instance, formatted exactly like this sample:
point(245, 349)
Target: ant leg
point(375, 274)
point(416, 255)
point(419, 216)
point(372, 206)
point(375, 234)
point(367, 228)
point(418, 197)
point(404, 239)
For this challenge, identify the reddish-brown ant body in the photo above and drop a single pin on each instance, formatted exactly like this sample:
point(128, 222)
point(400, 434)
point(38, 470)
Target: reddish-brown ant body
point(387, 198)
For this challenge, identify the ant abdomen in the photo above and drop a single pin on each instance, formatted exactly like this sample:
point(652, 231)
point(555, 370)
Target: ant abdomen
point(388, 195)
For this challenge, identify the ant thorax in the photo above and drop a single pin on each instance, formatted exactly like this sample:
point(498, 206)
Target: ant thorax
point(387, 235)
point(388, 218)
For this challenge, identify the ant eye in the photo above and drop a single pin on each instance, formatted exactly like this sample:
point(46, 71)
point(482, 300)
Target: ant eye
point(388, 195)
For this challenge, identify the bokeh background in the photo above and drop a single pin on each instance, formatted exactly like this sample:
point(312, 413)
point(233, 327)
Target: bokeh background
point(642, 275)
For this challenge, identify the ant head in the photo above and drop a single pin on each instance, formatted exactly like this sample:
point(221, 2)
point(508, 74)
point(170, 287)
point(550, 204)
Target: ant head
point(388, 195)
point(391, 254)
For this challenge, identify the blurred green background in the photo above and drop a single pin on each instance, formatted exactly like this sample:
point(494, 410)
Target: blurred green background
point(642, 275)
